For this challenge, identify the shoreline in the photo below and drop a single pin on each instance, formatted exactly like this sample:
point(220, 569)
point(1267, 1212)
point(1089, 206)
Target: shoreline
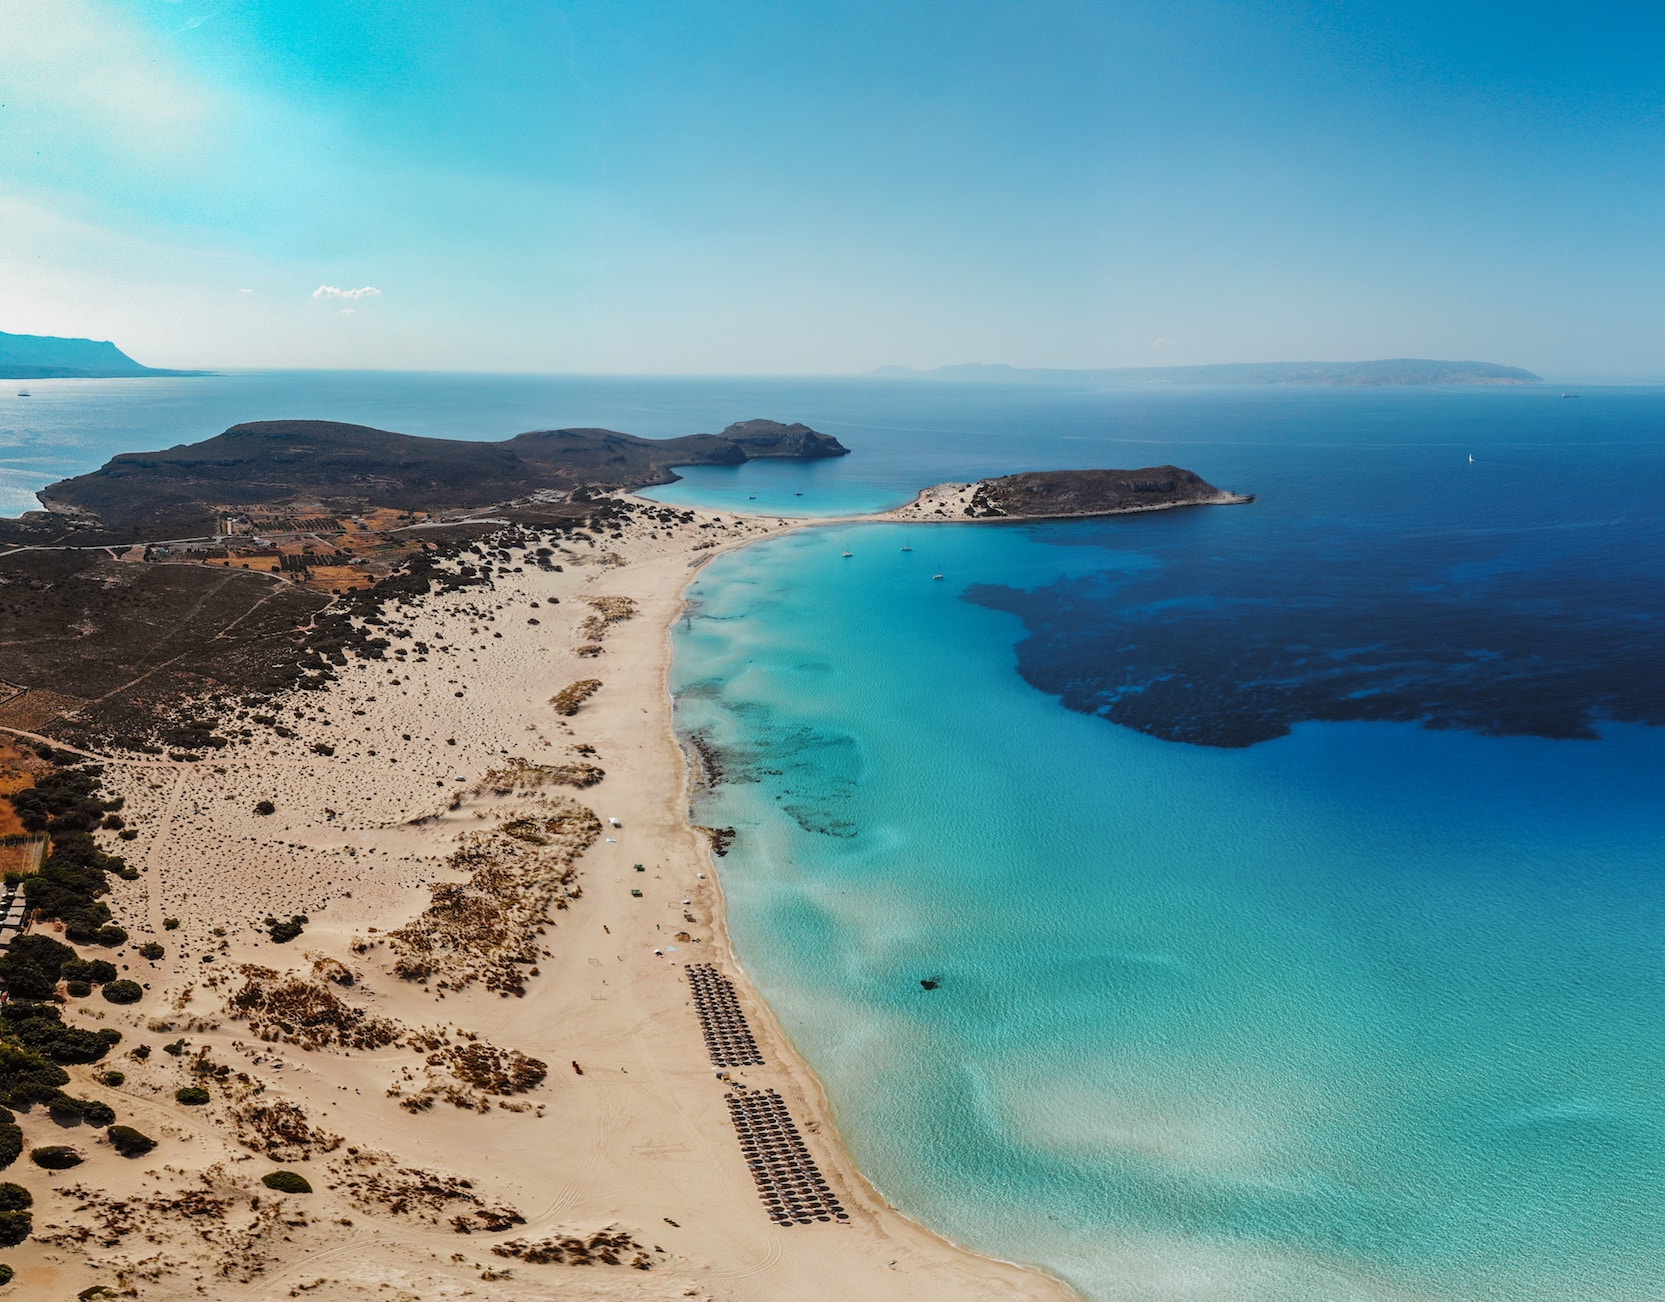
point(817, 1100)
point(637, 1143)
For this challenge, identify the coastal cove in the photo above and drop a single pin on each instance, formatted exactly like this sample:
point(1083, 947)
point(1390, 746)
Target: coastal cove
point(1249, 904)
point(1272, 992)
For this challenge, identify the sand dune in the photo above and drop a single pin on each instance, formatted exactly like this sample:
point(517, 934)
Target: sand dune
point(401, 1099)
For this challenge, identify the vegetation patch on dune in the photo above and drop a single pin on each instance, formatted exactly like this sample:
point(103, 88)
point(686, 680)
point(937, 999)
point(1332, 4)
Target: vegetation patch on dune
point(466, 1075)
point(523, 777)
point(608, 611)
point(569, 699)
point(219, 1223)
point(286, 1006)
point(279, 1129)
point(608, 1247)
point(486, 928)
point(375, 1183)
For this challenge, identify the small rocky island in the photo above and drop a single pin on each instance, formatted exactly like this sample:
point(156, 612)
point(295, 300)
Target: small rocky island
point(1068, 494)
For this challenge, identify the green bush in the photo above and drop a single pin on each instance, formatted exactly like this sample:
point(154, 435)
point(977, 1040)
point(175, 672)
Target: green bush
point(191, 1095)
point(284, 932)
point(7, 1274)
point(110, 936)
point(286, 1182)
point(54, 1157)
point(39, 1028)
point(151, 950)
point(129, 1142)
point(15, 1227)
point(170, 924)
point(94, 971)
point(77, 989)
point(11, 1143)
point(26, 1077)
point(112, 1077)
point(15, 1198)
point(124, 992)
point(265, 807)
point(96, 1112)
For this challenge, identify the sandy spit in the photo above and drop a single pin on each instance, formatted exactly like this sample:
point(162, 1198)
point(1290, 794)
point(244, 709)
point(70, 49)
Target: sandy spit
point(637, 1149)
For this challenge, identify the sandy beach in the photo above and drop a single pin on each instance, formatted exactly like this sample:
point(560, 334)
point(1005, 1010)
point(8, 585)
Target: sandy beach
point(546, 1124)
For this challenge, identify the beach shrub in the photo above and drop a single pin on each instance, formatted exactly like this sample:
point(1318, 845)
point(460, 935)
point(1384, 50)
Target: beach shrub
point(109, 935)
point(11, 1142)
point(71, 1111)
point(265, 807)
point(112, 1078)
point(191, 1096)
point(15, 1198)
point(15, 1227)
point(286, 1182)
point(151, 950)
point(7, 1274)
point(170, 924)
point(39, 1028)
point(55, 1157)
point(284, 932)
point(95, 971)
point(32, 965)
point(129, 1142)
point(26, 1077)
point(77, 989)
point(124, 992)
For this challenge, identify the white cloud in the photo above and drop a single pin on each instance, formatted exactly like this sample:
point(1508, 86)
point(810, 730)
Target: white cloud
point(1163, 342)
point(350, 295)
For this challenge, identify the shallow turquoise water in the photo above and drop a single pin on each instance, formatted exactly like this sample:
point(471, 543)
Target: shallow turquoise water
point(1364, 1012)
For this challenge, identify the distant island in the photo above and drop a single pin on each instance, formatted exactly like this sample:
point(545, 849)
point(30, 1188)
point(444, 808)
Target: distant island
point(1399, 370)
point(1067, 494)
point(266, 466)
point(46, 357)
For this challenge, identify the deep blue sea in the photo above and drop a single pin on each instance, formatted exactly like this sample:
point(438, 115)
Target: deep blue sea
point(1289, 874)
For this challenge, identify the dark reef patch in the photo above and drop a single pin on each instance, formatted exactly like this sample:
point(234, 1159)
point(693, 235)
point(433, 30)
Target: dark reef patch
point(1230, 646)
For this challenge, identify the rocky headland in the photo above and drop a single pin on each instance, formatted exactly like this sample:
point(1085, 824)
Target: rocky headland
point(1067, 494)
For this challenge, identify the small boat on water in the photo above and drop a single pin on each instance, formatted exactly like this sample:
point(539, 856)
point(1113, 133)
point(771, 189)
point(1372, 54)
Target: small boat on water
point(24, 393)
point(907, 549)
point(936, 576)
point(797, 495)
point(849, 553)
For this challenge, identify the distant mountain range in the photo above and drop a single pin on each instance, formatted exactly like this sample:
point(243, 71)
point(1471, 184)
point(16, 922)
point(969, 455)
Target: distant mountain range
point(1398, 370)
point(45, 357)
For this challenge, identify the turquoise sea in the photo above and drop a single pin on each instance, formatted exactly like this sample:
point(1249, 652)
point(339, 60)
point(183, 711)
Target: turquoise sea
point(1289, 875)
point(1249, 984)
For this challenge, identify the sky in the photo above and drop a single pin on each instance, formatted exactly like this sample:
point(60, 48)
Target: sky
point(806, 187)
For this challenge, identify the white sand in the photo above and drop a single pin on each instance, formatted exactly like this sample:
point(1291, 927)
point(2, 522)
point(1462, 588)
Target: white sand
point(642, 1138)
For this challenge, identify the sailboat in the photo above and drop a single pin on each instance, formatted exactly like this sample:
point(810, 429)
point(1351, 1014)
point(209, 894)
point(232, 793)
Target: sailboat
point(1471, 458)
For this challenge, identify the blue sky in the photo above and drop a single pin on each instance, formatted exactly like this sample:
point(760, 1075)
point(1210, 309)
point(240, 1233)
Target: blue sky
point(738, 186)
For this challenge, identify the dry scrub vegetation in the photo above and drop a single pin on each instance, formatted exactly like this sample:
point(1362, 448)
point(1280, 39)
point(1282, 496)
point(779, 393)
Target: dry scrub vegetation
point(524, 778)
point(568, 700)
point(609, 1247)
point(608, 611)
point(286, 1006)
point(487, 928)
point(374, 1183)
